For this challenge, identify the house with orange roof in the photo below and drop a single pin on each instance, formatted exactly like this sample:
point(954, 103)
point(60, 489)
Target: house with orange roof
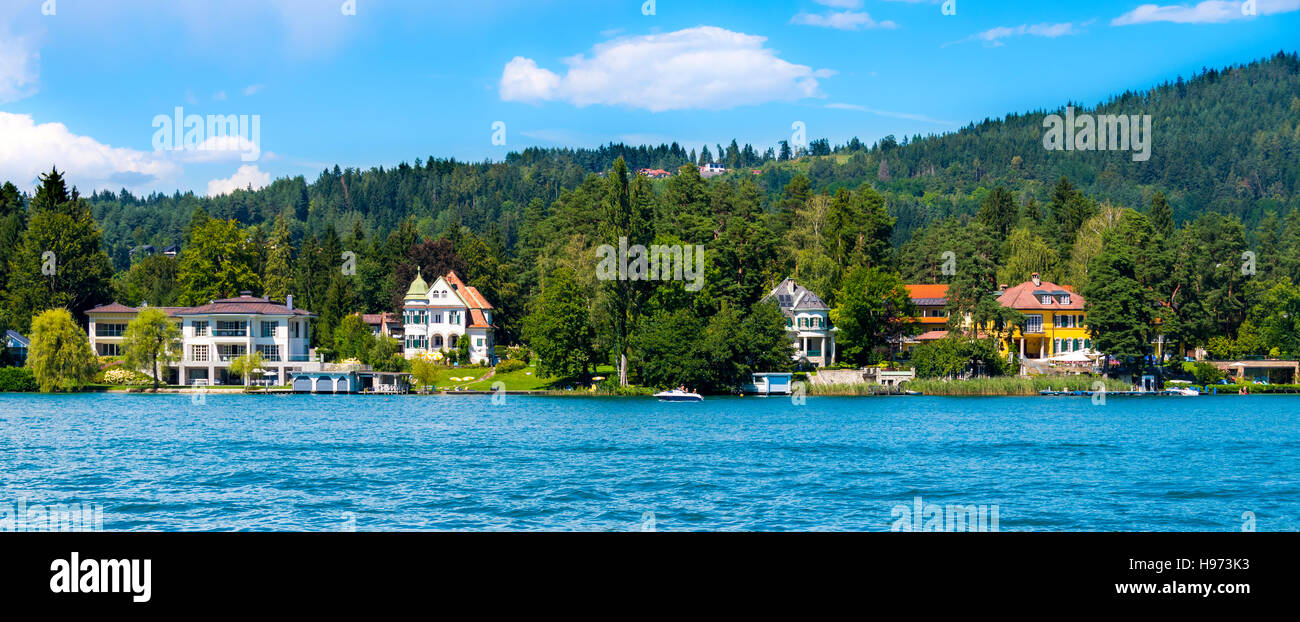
point(1055, 322)
point(932, 302)
point(437, 316)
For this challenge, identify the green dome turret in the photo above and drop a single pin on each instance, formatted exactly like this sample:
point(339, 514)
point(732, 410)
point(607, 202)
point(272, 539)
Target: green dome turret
point(418, 289)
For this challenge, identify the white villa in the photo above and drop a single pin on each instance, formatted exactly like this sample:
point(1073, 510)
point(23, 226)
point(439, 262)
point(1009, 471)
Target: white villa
point(436, 317)
point(807, 320)
point(215, 334)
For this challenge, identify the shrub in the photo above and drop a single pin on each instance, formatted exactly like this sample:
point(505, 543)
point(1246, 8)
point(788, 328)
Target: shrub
point(1206, 373)
point(518, 353)
point(123, 376)
point(511, 365)
point(17, 380)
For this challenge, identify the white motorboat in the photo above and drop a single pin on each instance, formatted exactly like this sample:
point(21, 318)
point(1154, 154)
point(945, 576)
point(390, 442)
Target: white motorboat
point(678, 395)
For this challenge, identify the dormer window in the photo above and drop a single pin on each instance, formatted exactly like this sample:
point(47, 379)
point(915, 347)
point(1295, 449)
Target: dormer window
point(1065, 299)
point(1047, 299)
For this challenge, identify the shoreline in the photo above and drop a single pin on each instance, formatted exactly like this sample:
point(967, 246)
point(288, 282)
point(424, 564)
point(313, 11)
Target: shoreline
point(1224, 391)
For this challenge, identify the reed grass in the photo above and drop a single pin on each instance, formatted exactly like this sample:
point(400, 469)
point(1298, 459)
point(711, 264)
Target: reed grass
point(1012, 385)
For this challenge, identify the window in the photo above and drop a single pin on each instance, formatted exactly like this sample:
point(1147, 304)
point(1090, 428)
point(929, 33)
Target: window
point(200, 328)
point(231, 329)
point(270, 353)
point(1065, 299)
point(268, 329)
point(108, 349)
point(437, 318)
point(1046, 299)
point(1033, 324)
point(230, 353)
point(479, 342)
point(293, 329)
point(1067, 321)
point(199, 354)
point(109, 330)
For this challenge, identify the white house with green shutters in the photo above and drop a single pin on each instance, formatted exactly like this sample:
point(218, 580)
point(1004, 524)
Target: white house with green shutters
point(808, 322)
point(437, 316)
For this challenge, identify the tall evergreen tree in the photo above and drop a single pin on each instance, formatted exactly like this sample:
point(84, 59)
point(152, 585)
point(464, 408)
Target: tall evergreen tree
point(278, 277)
point(60, 262)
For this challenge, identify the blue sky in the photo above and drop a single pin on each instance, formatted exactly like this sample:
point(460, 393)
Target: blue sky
point(404, 79)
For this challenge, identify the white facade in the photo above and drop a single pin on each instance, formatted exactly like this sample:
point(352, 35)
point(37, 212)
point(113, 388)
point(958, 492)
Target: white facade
point(215, 334)
point(807, 322)
point(435, 318)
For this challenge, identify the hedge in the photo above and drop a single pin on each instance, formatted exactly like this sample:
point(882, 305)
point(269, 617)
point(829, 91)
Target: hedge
point(17, 380)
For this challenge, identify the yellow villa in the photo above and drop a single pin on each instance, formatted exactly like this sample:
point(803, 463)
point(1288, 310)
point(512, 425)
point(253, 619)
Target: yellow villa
point(1055, 322)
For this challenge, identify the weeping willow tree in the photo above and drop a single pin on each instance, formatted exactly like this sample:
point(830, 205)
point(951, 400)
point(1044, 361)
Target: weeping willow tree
point(59, 355)
point(1028, 253)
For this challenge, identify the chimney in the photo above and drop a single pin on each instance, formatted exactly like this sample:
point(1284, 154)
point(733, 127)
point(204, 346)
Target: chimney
point(1037, 281)
point(246, 294)
point(288, 301)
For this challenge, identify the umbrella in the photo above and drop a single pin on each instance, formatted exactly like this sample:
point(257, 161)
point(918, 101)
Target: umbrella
point(1074, 357)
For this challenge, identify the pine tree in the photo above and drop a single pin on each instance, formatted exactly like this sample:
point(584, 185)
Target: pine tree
point(1162, 216)
point(59, 262)
point(278, 277)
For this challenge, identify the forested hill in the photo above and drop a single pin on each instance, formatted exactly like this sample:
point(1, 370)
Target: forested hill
point(1224, 140)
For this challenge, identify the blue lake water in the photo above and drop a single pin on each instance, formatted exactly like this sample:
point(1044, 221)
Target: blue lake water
point(328, 463)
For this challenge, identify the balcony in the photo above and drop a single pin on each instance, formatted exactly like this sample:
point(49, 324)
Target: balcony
point(230, 333)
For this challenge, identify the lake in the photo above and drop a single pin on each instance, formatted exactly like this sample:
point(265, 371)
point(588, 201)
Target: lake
point(330, 463)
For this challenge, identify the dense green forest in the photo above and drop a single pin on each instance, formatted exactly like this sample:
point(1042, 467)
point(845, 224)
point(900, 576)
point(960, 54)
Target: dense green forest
point(852, 222)
point(1224, 140)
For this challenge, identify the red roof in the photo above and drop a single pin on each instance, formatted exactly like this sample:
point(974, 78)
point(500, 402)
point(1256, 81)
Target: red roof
point(113, 308)
point(473, 299)
point(933, 335)
point(923, 292)
point(477, 319)
point(1028, 296)
point(243, 305)
point(374, 319)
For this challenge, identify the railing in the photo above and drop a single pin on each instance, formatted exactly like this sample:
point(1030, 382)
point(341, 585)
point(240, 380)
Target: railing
point(230, 333)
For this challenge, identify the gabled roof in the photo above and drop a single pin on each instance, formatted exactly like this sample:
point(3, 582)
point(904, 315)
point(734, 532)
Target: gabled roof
point(16, 337)
point(477, 319)
point(473, 299)
point(793, 297)
point(375, 319)
point(113, 307)
point(1027, 296)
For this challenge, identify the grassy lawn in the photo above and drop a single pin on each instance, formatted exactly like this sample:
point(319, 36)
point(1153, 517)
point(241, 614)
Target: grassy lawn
point(523, 380)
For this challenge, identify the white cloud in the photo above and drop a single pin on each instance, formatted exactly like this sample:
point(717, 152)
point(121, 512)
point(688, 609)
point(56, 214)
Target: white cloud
point(247, 176)
point(18, 68)
point(523, 80)
point(702, 67)
point(219, 96)
point(30, 149)
point(993, 36)
point(1207, 12)
point(253, 89)
point(843, 20)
